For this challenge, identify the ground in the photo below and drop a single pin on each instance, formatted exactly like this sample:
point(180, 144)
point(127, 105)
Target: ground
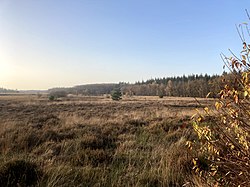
point(94, 141)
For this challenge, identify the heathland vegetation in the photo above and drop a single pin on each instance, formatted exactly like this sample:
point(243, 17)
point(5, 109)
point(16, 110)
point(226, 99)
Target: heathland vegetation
point(95, 141)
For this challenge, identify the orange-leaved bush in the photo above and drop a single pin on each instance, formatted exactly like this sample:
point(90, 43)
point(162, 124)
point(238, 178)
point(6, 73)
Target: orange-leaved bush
point(224, 140)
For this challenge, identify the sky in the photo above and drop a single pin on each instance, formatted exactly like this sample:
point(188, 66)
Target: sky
point(62, 43)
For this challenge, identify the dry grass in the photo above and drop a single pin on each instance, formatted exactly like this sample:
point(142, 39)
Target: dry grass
point(93, 141)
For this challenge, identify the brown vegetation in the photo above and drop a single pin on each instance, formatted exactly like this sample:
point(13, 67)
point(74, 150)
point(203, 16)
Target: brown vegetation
point(94, 141)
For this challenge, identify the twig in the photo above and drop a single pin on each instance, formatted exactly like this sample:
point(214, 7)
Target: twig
point(247, 14)
point(234, 55)
point(239, 33)
point(242, 33)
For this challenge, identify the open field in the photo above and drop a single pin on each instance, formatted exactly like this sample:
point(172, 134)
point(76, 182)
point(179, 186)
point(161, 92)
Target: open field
point(94, 141)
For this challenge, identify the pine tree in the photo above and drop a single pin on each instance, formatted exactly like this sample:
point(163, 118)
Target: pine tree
point(116, 94)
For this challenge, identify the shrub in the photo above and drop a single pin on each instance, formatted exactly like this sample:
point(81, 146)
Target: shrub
point(58, 94)
point(161, 96)
point(116, 94)
point(225, 142)
point(51, 98)
point(161, 93)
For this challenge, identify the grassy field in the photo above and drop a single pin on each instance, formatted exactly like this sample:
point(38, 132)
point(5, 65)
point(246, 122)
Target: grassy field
point(94, 141)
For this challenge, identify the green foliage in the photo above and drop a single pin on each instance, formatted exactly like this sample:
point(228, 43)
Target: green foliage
point(54, 95)
point(116, 94)
point(51, 97)
point(225, 142)
point(161, 95)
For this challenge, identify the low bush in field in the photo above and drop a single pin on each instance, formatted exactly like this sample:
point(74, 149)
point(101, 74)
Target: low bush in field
point(57, 94)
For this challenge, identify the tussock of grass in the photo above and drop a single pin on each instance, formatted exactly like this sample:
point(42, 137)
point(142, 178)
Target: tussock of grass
point(19, 173)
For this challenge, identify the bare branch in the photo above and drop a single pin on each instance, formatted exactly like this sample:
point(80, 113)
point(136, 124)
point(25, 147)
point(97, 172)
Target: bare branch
point(247, 14)
point(242, 32)
point(239, 33)
point(234, 55)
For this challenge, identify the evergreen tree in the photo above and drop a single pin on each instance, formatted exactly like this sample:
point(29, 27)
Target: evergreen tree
point(116, 94)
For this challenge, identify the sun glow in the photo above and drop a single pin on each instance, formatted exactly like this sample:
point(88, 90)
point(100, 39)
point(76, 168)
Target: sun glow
point(5, 71)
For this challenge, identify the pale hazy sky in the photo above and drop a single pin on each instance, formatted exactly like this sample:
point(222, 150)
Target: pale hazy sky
point(51, 43)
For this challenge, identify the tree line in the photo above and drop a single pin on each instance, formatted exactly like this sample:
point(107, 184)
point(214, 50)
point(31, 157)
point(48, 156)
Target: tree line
point(180, 86)
point(4, 90)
